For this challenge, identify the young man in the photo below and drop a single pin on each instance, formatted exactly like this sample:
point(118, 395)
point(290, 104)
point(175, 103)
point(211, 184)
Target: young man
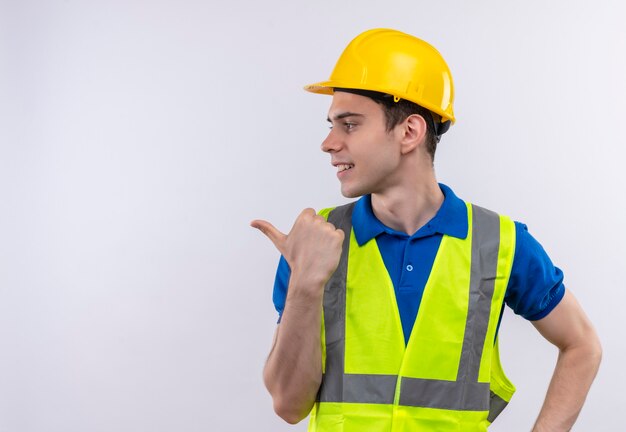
point(390, 306)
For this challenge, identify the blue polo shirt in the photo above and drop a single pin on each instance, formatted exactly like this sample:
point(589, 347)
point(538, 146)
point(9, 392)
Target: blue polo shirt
point(535, 286)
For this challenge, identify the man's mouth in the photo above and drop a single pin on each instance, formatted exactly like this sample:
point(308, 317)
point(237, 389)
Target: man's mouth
point(344, 167)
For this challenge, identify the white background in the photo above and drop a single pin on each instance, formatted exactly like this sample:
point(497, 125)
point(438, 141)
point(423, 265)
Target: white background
point(139, 138)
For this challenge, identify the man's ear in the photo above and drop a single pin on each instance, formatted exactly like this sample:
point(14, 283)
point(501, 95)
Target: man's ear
point(413, 130)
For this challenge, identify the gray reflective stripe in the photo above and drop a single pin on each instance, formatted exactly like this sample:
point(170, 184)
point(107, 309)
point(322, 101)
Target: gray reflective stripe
point(485, 246)
point(358, 388)
point(369, 388)
point(454, 395)
point(466, 393)
point(331, 389)
point(496, 406)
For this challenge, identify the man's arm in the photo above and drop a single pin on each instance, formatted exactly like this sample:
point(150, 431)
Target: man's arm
point(580, 353)
point(293, 371)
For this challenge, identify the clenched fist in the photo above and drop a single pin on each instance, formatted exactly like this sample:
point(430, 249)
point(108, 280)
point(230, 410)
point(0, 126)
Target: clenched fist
point(312, 248)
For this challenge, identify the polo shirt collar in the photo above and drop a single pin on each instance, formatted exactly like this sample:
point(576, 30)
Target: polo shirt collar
point(451, 219)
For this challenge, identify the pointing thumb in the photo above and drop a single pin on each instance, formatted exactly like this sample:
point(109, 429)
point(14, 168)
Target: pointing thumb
point(270, 231)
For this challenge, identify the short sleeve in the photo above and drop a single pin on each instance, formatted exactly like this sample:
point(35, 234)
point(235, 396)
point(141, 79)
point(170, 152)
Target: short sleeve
point(536, 284)
point(281, 282)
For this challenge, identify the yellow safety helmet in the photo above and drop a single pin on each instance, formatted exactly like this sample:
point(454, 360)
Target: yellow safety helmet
point(395, 63)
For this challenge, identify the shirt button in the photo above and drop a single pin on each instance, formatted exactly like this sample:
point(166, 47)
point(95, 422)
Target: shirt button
point(409, 267)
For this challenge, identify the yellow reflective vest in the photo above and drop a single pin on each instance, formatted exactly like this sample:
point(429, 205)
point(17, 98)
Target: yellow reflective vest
point(448, 376)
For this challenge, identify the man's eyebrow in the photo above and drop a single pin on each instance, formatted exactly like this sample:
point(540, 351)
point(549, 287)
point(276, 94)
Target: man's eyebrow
point(344, 115)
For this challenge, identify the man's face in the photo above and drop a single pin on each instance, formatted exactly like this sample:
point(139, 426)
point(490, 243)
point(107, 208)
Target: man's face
point(365, 154)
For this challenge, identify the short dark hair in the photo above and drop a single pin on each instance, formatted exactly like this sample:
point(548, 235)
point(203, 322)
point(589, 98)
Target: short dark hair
point(397, 112)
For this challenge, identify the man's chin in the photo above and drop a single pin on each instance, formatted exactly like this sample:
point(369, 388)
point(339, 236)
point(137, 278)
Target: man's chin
point(352, 193)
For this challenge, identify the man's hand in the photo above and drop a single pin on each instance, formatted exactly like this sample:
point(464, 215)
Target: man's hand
point(312, 248)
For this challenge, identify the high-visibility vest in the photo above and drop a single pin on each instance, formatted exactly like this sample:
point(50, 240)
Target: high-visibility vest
point(448, 377)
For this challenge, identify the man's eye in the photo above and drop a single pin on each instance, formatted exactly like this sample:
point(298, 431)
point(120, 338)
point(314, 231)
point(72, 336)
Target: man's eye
point(347, 125)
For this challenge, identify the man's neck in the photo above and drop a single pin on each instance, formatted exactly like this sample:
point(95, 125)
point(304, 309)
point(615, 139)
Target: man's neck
point(408, 208)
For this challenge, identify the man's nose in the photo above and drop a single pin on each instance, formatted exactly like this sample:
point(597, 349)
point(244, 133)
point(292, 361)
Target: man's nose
point(331, 143)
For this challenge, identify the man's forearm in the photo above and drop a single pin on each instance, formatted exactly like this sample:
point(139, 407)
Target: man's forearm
point(574, 372)
point(293, 371)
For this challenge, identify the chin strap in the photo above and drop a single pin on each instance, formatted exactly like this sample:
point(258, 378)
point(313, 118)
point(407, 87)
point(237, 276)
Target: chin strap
point(441, 128)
